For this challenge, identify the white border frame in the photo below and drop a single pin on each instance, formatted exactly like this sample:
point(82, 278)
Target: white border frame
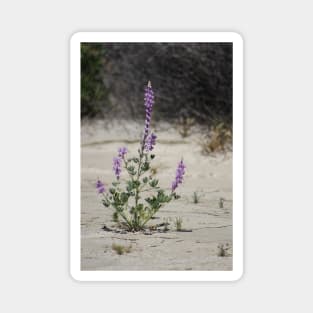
point(75, 250)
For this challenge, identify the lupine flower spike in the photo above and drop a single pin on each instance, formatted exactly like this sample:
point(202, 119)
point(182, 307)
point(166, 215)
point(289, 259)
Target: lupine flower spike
point(122, 151)
point(179, 175)
point(150, 142)
point(117, 162)
point(149, 101)
point(117, 166)
point(100, 187)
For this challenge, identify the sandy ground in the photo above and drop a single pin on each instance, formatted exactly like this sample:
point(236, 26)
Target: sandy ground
point(209, 225)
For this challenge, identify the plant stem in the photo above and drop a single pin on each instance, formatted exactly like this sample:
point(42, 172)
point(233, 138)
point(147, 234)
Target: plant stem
point(137, 188)
point(126, 220)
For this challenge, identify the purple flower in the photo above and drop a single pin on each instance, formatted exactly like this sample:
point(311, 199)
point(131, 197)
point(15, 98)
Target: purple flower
point(117, 166)
point(121, 152)
point(149, 101)
point(150, 142)
point(100, 187)
point(179, 175)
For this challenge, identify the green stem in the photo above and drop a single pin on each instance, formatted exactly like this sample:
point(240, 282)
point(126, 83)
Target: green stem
point(126, 220)
point(150, 216)
point(136, 217)
point(147, 220)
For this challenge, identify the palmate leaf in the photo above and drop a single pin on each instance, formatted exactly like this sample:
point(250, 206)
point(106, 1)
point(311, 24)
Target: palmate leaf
point(106, 203)
point(154, 183)
point(131, 185)
point(131, 170)
point(145, 167)
point(124, 197)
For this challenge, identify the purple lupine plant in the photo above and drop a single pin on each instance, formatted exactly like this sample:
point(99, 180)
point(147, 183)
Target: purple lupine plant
point(138, 199)
point(100, 186)
point(180, 172)
point(150, 142)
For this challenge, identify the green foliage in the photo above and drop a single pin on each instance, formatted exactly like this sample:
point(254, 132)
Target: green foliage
point(119, 249)
point(93, 93)
point(224, 250)
point(178, 223)
point(184, 125)
point(219, 139)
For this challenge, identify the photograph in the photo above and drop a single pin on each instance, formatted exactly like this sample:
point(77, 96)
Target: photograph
point(162, 152)
point(154, 145)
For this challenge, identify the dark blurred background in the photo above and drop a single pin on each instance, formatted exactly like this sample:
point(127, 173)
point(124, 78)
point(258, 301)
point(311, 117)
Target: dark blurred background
point(190, 80)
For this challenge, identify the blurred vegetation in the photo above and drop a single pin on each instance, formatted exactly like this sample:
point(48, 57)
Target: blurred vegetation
point(218, 139)
point(184, 125)
point(195, 197)
point(120, 249)
point(192, 82)
point(178, 223)
point(94, 95)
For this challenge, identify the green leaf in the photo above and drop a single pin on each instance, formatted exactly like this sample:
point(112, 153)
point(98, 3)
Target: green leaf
point(136, 184)
point(105, 203)
point(139, 207)
point(130, 186)
point(145, 166)
point(154, 183)
point(168, 198)
point(124, 197)
point(131, 170)
point(148, 199)
point(116, 198)
point(119, 208)
point(145, 180)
